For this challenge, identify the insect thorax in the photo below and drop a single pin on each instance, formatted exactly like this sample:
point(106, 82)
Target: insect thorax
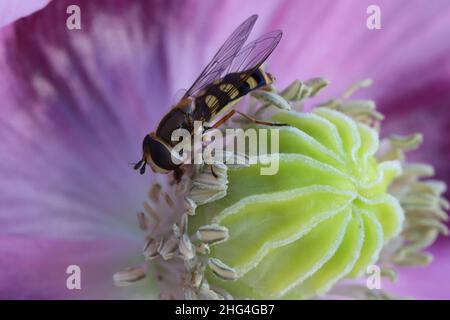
point(178, 117)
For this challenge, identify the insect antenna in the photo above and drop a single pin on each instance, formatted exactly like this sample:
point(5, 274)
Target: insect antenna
point(137, 164)
point(142, 171)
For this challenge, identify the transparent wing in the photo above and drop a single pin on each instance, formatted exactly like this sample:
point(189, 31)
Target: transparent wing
point(224, 57)
point(249, 59)
point(255, 53)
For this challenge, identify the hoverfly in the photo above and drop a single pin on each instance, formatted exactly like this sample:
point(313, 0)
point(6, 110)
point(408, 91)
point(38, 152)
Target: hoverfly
point(234, 71)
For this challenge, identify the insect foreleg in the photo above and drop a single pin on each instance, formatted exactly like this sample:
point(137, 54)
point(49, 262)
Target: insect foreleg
point(266, 123)
point(223, 119)
point(211, 167)
point(189, 121)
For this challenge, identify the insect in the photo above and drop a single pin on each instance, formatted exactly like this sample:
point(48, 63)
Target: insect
point(234, 71)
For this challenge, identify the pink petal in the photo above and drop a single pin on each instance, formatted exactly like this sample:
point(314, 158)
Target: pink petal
point(36, 268)
point(75, 107)
point(11, 10)
point(430, 282)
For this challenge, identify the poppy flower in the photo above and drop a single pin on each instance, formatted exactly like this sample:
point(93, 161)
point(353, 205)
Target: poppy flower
point(76, 104)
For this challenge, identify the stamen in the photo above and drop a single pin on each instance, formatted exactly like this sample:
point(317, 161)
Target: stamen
point(152, 213)
point(295, 91)
point(207, 294)
point(207, 188)
point(197, 275)
point(272, 99)
point(355, 87)
point(155, 192)
point(190, 294)
point(444, 203)
point(189, 206)
point(389, 273)
point(142, 220)
point(177, 231)
point(360, 292)
point(420, 170)
point(407, 143)
point(181, 228)
point(203, 248)
point(128, 276)
point(412, 258)
point(168, 248)
point(316, 85)
point(150, 250)
point(168, 200)
point(299, 90)
point(221, 270)
point(212, 233)
point(429, 223)
point(361, 110)
point(185, 247)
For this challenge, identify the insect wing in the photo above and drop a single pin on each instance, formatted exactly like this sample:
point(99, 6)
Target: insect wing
point(249, 59)
point(253, 55)
point(224, 57)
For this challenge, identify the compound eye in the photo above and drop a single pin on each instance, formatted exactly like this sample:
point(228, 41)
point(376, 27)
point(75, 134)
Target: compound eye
point(158, 154)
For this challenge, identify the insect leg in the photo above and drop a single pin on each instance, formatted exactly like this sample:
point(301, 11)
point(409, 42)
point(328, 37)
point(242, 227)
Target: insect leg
point(221, 121)
point(266, 123)
point(212, 171)
point(216, 125)
point(177, 174)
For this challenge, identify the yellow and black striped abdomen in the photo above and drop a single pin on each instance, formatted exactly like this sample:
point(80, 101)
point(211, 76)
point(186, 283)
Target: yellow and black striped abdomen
point(222, 93)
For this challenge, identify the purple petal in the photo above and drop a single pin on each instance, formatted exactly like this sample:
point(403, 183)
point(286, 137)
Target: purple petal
point(77, 107)
point(431, 282)
point(11, 10)
point(36, 268)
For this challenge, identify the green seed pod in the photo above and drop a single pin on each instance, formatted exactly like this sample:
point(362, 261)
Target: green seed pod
point(324, 216)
